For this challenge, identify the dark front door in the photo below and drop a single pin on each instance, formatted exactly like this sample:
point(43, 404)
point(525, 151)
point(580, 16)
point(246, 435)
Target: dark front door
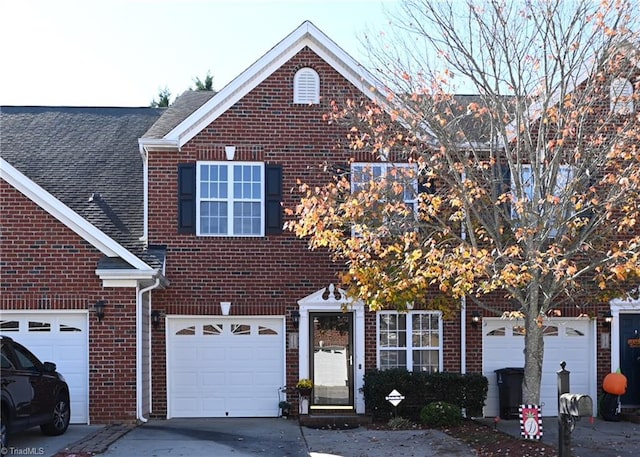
point(331, 360)
point(630, 356)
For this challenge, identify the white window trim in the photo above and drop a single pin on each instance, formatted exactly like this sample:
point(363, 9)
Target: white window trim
point(230, 199)
point(409, 340)
point(304, 97)
point(386, 166)
point(562, 174)
point(621, 96)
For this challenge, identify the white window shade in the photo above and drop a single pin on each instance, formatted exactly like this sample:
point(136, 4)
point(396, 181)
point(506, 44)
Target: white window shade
point(306, 87)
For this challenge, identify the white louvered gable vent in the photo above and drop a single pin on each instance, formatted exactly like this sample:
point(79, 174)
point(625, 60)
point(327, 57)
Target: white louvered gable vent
point(621, 96)
point(306, 86)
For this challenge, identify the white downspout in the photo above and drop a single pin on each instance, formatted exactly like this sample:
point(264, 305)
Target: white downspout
point(463, 315)
point(139, 329)
point(463, 335)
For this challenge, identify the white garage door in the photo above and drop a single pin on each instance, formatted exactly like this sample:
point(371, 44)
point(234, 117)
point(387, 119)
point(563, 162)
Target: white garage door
point(59, 337)
point(569, 340)
point(224, 366)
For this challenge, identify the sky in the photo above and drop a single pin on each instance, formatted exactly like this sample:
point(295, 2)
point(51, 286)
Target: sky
point(123, 52)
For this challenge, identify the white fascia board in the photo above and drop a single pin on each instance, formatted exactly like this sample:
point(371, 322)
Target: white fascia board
point(67, 216)
point(126, 273)
point(305, 35)
point(155, 144)
point(124, 278)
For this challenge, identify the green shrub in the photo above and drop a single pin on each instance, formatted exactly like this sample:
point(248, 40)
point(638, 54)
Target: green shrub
point(440, 414)
point(467, 391)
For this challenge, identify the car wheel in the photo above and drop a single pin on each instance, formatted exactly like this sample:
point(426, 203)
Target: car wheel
point(61, 416)
point(4, 435)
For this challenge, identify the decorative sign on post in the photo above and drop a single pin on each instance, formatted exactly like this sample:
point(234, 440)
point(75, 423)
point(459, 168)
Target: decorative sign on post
point(394, 397)
point(530, 422)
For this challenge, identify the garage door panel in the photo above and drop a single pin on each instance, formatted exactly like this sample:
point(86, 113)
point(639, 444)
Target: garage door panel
point(212, 404)
point(186, 380)
point(235, 366)
point(215, 379)
point(210, 355)
point(241, 355)
point(568, 340)
point(263, 378)
point(241, 378)
point(61, 338)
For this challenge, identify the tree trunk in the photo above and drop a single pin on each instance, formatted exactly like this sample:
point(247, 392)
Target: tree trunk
point(533, 354)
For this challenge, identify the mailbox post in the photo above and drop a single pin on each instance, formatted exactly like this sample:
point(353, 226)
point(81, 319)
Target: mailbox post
point(571, 407)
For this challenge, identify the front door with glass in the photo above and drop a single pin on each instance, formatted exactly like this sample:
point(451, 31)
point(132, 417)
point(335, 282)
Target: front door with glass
point(331, 337)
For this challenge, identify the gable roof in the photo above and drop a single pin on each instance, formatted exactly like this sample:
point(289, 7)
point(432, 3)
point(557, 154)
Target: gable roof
point(306, 35)
point(182, 107)
point(586, 69)
point(82, 163)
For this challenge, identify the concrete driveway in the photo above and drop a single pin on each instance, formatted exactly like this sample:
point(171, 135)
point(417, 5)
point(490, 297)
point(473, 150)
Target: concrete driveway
point(33, 442)
point(275, 437)
point(244, 437)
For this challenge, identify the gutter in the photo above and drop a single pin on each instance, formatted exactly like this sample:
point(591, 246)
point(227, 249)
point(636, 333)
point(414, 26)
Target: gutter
point(139, 331)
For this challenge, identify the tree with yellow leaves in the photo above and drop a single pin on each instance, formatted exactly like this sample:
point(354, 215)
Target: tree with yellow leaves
point(529, 189)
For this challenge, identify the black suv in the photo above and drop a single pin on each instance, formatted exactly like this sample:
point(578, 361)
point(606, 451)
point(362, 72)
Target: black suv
point(33, 393)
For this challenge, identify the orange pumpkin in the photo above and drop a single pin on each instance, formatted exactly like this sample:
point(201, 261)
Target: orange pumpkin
point(615, 384)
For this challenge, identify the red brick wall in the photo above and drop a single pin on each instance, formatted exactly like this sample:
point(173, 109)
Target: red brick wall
point(45, 265)
point(259, 275)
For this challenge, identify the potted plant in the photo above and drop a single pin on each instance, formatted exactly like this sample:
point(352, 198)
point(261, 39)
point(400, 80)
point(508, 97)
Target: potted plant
point(304, 386)
point(285, 408)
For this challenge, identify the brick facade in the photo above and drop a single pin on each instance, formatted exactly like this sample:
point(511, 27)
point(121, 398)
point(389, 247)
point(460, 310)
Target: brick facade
point(46, 266)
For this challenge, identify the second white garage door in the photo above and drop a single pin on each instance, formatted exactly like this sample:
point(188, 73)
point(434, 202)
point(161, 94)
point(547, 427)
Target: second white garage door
point(224, 366)
point(566, 339)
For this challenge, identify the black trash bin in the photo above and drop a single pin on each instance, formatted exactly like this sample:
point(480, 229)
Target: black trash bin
point(509, 391)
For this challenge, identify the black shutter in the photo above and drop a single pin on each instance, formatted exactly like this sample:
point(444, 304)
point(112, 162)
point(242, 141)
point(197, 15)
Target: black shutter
point(502, 176)
point(426, 185)
point(273, 199)
point(340, 170)
point(187, 198)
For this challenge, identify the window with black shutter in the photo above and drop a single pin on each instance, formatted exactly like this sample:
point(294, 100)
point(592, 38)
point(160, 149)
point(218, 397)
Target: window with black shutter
point(187, 198)
point(273, 199)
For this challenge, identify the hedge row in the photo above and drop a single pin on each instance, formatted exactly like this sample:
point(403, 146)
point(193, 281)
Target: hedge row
point(468, 391)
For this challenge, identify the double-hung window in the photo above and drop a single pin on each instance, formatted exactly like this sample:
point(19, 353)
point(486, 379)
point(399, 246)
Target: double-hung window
point(411, 340)
point(230, 199)
point(402, 174)
point(401, 185)
point(563, 178)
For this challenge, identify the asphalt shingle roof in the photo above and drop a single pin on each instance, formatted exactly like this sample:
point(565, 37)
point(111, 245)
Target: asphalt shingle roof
point(88, 158)
point(181, 108)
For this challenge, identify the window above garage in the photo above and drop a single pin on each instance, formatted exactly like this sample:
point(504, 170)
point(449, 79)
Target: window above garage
point(230, 199)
